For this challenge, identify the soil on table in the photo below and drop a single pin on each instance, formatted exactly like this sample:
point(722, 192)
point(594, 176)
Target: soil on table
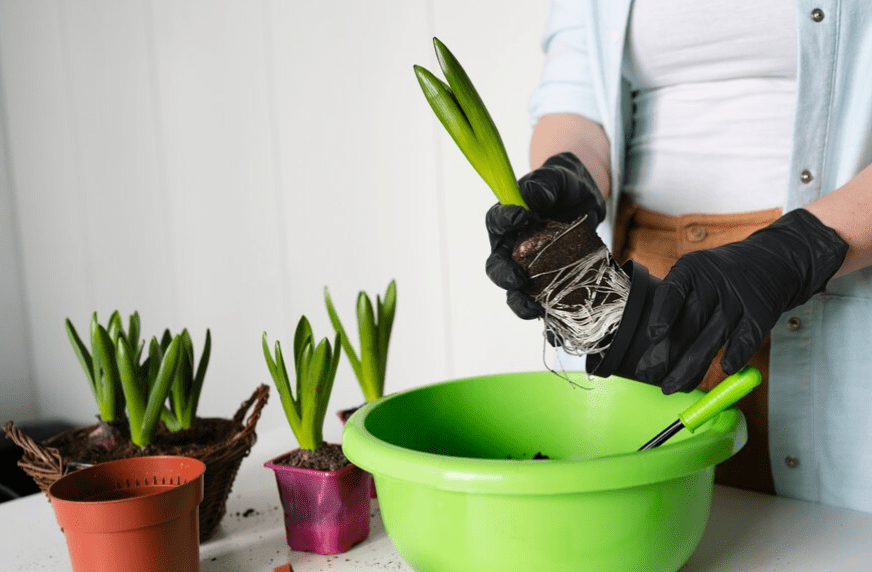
point(328, 458)
point(205, 434)
point(543, 252)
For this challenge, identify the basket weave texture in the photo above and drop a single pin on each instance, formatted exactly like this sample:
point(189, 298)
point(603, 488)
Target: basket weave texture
point(45, 462)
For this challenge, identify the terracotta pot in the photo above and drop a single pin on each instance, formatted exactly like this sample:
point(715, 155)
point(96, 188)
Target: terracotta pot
point(325, 511)
point(137, 515)
point(631, 339)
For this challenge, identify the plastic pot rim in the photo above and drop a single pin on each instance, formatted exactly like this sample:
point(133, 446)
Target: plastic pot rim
point(115, 515)
point(723, 438)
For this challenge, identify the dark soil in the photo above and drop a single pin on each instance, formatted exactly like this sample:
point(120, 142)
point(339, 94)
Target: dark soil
point(204, 434)
point(539, 456)
point(328, 458)
point(561, 251)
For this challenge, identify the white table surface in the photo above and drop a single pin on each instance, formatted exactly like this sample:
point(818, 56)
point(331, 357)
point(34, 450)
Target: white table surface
point(747, 532)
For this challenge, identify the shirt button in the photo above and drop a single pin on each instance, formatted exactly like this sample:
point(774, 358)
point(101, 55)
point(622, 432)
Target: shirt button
point(695, 233)
point(791, 462)
point(806, 176)
point(794, 324)
point(817, 15)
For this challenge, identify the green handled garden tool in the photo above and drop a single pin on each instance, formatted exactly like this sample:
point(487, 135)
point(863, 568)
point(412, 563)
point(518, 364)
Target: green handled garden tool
point(726, 393)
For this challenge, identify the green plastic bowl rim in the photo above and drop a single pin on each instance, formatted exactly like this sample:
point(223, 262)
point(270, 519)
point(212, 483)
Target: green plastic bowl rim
point(725, 435)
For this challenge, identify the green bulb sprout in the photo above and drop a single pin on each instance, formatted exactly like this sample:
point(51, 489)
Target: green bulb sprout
point(98, 364)
point(118, 379)
point(462, 112)
point(184, 395)
point(374, 324)
point(314, 371)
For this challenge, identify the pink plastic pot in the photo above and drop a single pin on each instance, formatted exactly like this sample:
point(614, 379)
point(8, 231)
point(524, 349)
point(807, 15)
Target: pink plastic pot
point(325, 511)
point(344, 415)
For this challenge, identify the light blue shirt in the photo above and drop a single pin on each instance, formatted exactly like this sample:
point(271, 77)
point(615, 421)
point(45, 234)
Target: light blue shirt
point(820, 378)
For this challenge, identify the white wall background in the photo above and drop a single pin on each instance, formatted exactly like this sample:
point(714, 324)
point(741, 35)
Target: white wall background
point(217, 163)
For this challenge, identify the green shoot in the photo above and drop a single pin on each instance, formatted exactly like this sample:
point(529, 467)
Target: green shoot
point(146, 386)
point(314, 370)
point(99, 364)
point(187, 384)
point(374, 330)
point(464, 115)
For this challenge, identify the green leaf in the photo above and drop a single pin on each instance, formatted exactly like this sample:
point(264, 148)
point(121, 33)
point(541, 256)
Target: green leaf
point(165, 340)
point(160, 389)
point(97, 373)
point(317, 387)
point(194, 398)
point(282, 384)
point(369, 352)
point(385, 319)
point(170, 420)
point(463, 114)
point(336, 354)
point(302, 338)
point(270, 364)
point(346, 342)
point(131, 387)
point(155, 357)
point(133, 331)
point(322, 365)
point(506, 185)
point(115, 327)
point(178, 390)
point(451, 115)
point(82, 354)
point(108, 381)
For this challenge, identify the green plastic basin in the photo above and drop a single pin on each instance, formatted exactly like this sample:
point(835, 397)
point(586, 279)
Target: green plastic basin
point(459, 489)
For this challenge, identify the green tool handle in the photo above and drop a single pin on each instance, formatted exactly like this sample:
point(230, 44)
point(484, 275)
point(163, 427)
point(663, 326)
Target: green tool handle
point(726, 393)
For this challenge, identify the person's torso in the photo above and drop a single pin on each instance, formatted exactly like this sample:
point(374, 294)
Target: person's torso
point(713, 91)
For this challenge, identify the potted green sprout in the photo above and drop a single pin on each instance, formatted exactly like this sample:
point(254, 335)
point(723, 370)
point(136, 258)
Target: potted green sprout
point(147, 404)
point(325, 498)
point(187, 383)
point(374, 325)
point(574, 277)
point(118, 379)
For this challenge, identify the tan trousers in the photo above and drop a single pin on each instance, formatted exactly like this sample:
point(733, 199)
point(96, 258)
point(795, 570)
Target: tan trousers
point(657, 240)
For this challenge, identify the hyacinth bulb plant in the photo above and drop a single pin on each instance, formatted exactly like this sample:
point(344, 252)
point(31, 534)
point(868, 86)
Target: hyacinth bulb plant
point(324, 497)
point(305, 402)
point(128, 391)
point(374, 325)
point(573, 275)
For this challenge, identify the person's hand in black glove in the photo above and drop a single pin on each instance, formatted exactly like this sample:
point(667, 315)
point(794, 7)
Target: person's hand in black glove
point(561, 189)
point(734, 295)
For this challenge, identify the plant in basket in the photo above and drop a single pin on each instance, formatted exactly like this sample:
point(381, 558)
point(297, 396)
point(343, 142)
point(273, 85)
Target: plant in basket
point(374, 325)
point(325, 498)
point(147, 404)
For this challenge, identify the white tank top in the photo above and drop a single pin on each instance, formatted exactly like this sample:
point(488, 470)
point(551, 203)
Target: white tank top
point(714, 89)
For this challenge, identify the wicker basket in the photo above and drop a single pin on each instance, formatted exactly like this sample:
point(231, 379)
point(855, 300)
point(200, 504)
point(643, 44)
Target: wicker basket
point(45, 463)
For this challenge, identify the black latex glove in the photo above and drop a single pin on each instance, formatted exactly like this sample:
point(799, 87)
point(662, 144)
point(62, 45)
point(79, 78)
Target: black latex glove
point(561, 189)
point(734, 295)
